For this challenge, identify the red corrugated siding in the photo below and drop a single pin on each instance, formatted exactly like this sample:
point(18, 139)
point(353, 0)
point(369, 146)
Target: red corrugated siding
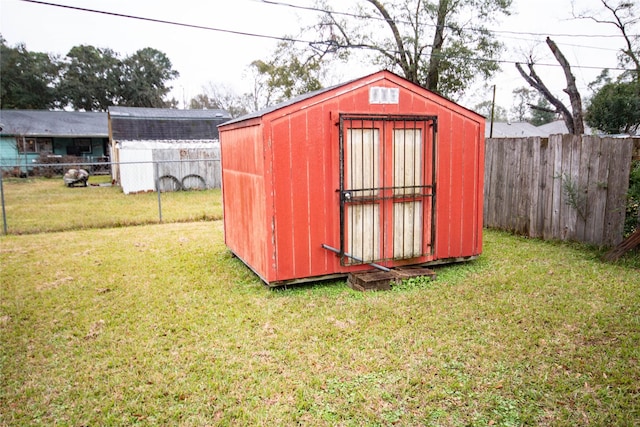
point(444, 187)
point(304, 184)
point(479, 140)
point(472, 189)
point(459, 193)
point(280, 180)
point(243, 183)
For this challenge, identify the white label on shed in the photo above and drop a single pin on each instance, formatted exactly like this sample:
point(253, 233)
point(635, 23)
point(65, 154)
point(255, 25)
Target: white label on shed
point(384, 95)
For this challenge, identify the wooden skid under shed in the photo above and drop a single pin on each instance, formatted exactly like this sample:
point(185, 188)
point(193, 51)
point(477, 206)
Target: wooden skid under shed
point(378, 280)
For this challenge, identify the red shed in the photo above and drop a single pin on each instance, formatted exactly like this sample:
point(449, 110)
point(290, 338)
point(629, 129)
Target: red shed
point(374, 171)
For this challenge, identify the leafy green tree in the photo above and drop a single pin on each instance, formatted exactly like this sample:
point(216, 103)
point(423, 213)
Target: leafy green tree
point(145, 76)
point(615, 108)
point(524, 109)
point(90, 79)
point(542, 112)
point(485, 107)
point(202, 102)
point(523, 97)
point(603, 78)
point(632, 217)
point(432, 43)
point(28, 79)
point(289, 72)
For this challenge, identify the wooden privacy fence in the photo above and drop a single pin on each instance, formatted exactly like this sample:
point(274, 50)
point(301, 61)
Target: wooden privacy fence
point(564, 187)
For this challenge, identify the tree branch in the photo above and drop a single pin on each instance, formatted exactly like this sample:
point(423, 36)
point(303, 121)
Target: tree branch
point(622, 26)
point(539, 108)
point(404, 62)
point(535, 82)
point(334, 44)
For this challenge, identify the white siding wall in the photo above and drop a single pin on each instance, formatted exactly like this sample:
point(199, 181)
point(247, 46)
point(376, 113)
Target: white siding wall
point(135, 178)
point(176, 165)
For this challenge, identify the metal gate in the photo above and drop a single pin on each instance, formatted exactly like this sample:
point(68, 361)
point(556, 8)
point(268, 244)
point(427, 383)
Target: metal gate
point(387, 187)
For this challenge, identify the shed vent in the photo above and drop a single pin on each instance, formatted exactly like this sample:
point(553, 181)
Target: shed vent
point(383, 95)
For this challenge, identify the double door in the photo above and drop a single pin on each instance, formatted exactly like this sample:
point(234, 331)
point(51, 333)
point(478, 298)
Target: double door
point(387, 187)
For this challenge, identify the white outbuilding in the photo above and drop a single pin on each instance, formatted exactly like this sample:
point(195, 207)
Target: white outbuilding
point(166, 149)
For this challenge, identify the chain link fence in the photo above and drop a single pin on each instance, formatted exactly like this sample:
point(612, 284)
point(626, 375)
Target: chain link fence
point(60, 195)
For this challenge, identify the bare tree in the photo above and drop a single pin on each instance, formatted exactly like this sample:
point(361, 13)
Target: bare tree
point(574, 119)
point(220, 96)
point(615, 106)
point(624, 17)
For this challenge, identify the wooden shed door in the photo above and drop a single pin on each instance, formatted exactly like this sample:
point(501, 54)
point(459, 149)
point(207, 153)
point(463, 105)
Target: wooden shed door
point(387, 187)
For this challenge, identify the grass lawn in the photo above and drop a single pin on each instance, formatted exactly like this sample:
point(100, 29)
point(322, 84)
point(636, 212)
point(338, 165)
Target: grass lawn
point(159, 325)
point(38, 205)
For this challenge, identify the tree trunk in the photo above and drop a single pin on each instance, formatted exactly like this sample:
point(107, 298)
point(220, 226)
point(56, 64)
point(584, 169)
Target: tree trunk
point(571, 90)
point(433, 74)
point(409, 67)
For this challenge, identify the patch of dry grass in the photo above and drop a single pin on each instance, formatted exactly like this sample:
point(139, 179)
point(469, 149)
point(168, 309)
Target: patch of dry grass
point(160, 325)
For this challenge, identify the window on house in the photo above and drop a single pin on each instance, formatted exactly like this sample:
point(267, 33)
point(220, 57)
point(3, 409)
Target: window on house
point(45, 145)
point(83, 145)
point(34, 145)
point(79, 147)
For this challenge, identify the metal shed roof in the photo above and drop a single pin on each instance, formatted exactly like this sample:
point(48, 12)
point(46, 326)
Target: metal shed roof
point(133, 123)
point(166, 113)
point(283, 104)
point(54, 123)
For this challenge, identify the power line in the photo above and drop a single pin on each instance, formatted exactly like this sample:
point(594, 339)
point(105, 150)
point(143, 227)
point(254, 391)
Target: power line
point(162, 21)
point(568, 44)
point(330, 44)
point(497, 32)
point(359, 16)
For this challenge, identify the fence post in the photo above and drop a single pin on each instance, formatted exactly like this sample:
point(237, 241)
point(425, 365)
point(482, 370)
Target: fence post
point(4, 212)
point(157, 173)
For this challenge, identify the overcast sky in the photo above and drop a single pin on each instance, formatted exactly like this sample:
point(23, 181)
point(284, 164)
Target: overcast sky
point(202, 56)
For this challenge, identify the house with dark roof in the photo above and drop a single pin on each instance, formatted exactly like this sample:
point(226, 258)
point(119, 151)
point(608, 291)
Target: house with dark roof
point(165, 148)
point(28, 136)
point(164, 124)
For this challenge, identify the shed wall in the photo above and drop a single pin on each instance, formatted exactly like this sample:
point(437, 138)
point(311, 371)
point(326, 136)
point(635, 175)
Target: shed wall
point(136, 171)
point(305, 180)
point(247, 215)
point(180, 166)
point(193, 168)
point(459, 187)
